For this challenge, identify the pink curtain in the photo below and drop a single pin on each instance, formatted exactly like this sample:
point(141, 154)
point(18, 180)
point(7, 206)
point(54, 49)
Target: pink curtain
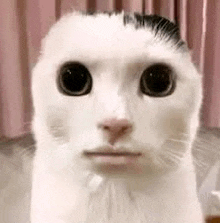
point(24, 23)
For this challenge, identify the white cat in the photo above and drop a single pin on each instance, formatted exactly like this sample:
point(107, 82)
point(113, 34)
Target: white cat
point(116, 109)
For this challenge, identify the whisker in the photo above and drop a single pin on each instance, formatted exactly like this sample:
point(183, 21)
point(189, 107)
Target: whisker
point(205, 149)
point(184, 133)
point(200, 151)
point(200, 163)
point(177, 153)
point(160, 161)
point(168, 157)
point(177, 140)
point(200, 140)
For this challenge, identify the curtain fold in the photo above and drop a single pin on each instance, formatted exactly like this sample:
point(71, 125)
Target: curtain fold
point(12, 70)
point(211, 107)
point(24, 23)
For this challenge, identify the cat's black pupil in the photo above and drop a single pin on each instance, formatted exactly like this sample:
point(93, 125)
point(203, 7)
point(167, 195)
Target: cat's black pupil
point(156, 80)
point(75, 79)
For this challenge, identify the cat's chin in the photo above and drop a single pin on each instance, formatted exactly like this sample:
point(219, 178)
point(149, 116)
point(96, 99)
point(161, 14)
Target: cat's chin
point(121, 167)
point(115, 161)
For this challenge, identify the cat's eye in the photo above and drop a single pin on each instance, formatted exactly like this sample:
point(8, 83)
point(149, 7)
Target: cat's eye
point(157, 80)
point(74, 79)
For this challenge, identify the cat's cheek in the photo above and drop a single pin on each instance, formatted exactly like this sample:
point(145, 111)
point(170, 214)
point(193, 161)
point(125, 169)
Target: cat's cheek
point(174, 123)
point(58, 128)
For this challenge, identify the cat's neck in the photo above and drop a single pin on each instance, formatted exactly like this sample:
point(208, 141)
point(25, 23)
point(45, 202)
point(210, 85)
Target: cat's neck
point(151, 198)
point(157, 199)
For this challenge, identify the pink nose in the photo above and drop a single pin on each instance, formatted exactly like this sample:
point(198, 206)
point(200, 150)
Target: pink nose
point(115, 128)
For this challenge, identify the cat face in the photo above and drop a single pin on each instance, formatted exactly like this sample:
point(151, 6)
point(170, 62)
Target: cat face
point(115, 90)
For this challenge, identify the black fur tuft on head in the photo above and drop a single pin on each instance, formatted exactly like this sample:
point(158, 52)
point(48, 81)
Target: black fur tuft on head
point(161, 26)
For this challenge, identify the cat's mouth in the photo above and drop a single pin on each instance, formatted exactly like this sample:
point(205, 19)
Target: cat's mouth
point(113, 157)
point(111, 154)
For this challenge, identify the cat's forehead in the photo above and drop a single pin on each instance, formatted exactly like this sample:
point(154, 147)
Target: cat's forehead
point(104, 35)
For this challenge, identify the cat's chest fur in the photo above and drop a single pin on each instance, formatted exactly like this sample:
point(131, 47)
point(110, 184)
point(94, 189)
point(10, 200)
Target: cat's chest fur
point(116, 202)
point(162, 199)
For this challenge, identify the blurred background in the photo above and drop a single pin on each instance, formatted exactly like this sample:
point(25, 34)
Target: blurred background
point(23, 23)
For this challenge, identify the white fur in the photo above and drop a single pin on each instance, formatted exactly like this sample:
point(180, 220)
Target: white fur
point(66, 189)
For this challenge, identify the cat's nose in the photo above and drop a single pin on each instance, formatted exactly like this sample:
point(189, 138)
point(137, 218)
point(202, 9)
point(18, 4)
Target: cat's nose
point(115, 128)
